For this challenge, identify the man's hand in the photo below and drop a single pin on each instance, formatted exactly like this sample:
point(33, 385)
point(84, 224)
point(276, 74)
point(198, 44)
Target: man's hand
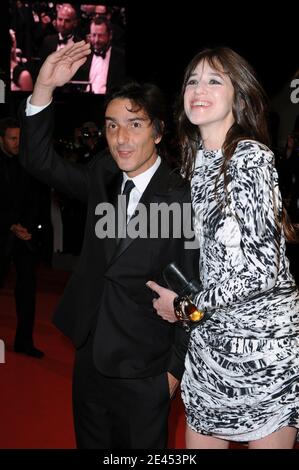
point(164, 304)
point(57, 70)
point(21, 232)
point(173, 383)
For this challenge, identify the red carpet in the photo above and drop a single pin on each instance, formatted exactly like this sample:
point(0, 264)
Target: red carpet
point(35, 400)
point(35, 395)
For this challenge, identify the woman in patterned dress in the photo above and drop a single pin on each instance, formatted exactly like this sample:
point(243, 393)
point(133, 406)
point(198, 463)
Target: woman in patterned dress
point(241, 381)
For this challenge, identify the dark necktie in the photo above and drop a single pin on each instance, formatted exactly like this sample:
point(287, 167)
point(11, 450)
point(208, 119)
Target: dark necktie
point(129, 185)
point(64, 40)
point(100, 53)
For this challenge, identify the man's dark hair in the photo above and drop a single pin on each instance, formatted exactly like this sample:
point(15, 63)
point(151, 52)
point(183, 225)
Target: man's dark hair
point(98, 20)
point(147, 97)
point(7, 123)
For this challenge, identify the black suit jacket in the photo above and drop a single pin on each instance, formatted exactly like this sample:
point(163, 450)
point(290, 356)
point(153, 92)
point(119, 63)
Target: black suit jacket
point(107, 292)
point(19, 201)
point(50, 44)
point(116, 70)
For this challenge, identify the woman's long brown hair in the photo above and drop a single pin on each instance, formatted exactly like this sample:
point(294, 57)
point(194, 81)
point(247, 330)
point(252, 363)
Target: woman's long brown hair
point(249, 112)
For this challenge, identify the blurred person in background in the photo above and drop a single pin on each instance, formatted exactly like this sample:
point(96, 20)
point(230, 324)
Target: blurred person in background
point(19, 212)
point(105, 66)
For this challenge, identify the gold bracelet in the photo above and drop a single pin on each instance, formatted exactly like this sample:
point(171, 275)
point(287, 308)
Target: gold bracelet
point(185, 310)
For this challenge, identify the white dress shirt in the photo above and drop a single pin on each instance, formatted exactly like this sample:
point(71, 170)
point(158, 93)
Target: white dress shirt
point(99, 72)
point(31, 109)
point(141, 181)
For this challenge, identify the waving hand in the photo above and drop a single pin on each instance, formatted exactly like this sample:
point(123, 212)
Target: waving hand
point(58, 69)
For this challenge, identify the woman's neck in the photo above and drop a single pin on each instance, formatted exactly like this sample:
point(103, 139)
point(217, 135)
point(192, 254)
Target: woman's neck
point(212, 144)
point(213, 136)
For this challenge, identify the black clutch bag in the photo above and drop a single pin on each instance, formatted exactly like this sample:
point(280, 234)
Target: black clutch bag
point(178, 282)
point(185, 310)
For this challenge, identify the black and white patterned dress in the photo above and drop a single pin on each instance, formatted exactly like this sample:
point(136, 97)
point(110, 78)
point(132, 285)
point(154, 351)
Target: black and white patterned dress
point(242, 368)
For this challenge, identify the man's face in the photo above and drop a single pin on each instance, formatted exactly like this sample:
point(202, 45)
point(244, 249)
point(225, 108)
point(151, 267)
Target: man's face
point(10, 142)
point(90, 136)
point(66, 21)
point(99, 36)
point(131, 137)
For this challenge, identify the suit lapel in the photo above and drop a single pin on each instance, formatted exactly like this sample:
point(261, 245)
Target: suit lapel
point(157, 188)
point(113, 185)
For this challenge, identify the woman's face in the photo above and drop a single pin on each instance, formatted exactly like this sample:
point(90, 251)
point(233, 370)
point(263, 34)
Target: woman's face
point(208, 99)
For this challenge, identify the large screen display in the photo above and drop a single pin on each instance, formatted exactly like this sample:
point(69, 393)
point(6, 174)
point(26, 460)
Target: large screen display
point(37, 29)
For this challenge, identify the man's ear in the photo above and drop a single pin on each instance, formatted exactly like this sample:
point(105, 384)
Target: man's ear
point(158, 136)
point(157, 139)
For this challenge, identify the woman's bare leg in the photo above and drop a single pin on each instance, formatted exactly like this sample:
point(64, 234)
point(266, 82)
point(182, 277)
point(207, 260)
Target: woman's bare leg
point(282, 439)
point(194, 440)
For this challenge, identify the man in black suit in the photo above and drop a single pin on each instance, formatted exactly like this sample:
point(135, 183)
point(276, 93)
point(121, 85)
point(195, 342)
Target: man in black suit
point(18, 219)
point(105, 66)
point(66, 24)
point(128, 361)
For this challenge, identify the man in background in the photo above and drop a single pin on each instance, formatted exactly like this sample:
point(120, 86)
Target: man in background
point(105, 66)
point(18, 219)
point(65, 24)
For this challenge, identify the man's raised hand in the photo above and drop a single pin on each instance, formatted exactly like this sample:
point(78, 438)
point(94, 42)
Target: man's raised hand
point(57, 70)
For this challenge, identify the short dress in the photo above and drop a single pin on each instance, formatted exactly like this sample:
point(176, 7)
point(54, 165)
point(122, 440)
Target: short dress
point(241, 379)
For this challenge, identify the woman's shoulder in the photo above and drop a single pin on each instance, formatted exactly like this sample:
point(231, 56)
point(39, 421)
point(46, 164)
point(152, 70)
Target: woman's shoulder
point(251, 154)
